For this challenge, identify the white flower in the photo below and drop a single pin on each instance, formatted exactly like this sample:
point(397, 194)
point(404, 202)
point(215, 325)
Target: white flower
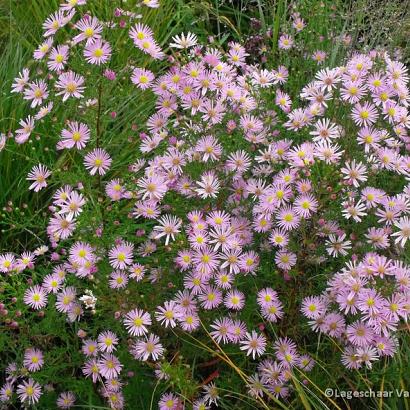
point(88, 299)
point(183, 41)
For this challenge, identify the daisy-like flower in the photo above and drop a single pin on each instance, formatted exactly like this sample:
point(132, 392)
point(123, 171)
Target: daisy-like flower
point(354, 211)
point(150, 347)
point(77, 135)
point(287, 218)
point(153, 4)
point(97, 52)
point(107, 341)
point(115, 190)
point(313, 307)
point(90, 28)
point(319, 56)
point(235, 300)
point(6, 392)
point(168, 314)
point(208, 185)
point(403, 235)
point(136, 322)
point(360, 334)
point(71, 85)
point(7, 262)
point(109, 366)
point(183, 41)
point(29, 391)
point(36, 92)
point(210, 298)
point(285, 42)
point(58, 58)
point(142, 78)
point(43, 111)
point(169, 227)
point(253, 344)
point(35, 297)
point(305, 205)
point(56, 21)
point(336, 245)
point(23, 133)
point(365, 114)
point(38, 174)
point(66, 400)
point(61, 227)
point(285, 260)
point(143, 39)
point(222, 328)
point(118, 280)
point(120, 256)
point(21, 81)
point(91, 368)
point(169, 401)
point(65, 299)
point(354, 173)
point(43, 49)
point(98, 160)
point(33, 360)
point(90, 347)
point(154, 187)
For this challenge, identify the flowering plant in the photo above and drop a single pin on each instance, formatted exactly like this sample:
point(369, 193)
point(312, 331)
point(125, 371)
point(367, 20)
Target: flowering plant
point(203, 240)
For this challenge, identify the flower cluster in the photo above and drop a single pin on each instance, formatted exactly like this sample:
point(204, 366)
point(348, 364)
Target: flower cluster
point(232, 174)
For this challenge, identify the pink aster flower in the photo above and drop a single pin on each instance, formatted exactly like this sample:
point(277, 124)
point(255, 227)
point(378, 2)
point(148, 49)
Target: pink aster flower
point(56, 21)
point(287, 218)
point(91, 368)
point(168, 314)
point(115, 190)
point(403, 234)
point(169, 401)
point(7, 262)
point(360, 334)
point(36, 92)
point(21, 81)
point(97, 52)
point(210, 298)
point(143, 349)
point(90, 28)
point(285, 260)
point(98, 160)
point(66, 400)
point(35, 297)
point(107, 341)
point(121, 256)
point(253, 344)
point(70, 84)
point(43, 49)
point(109, 366)
point(23, 134)
point(29, 391)
point(234, 299)
point(154, 187)
point(38, 174)
point(77, 135)
point(285, 42)
point(354, 173)
point(136, 322)
point(118, 280)
point(142, 78)
point(169, 227)
point(33, 360)
point(58, 58)
point(365, 114)
point(313, 307)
